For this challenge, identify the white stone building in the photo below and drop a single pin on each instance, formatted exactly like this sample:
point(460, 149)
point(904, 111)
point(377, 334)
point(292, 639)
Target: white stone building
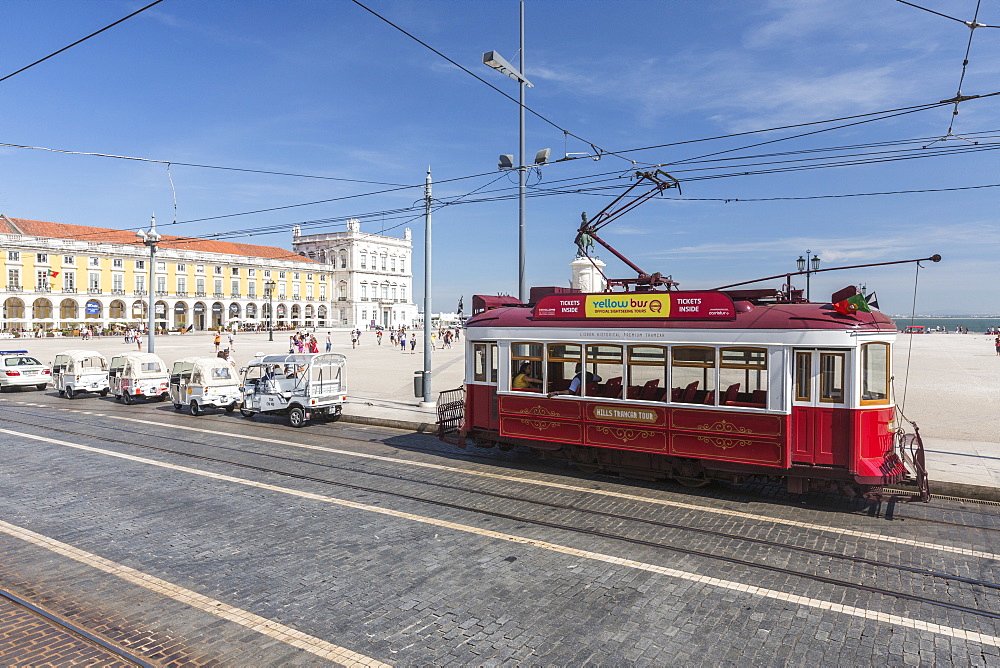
point(371, 274)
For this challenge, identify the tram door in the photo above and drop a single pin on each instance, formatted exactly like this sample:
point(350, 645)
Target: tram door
point(820, 421)
point(484, 412)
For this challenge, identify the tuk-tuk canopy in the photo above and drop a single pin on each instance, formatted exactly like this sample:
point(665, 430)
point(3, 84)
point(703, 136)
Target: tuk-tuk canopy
point(206, 370)
point(299, 359)
point(81, 359)
point(139, 365)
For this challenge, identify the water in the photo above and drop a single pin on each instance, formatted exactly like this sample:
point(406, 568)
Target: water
point(974, 325)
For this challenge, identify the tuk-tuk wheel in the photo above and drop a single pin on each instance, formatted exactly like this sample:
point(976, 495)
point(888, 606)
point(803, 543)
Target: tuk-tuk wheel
point(196, 410)
point(127, 398)
point(297, 416)
point(332, 417)
point(245, 413)
point(163, 397)
point(71, 393)
point(104, 392)
point(231, 407)
point(177, 407)
point(62, 393)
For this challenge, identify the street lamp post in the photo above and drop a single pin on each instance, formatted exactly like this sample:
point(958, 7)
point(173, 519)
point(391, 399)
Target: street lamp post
point(808, 264)
point(497, 62)
point(150, 239)
point(269, 287)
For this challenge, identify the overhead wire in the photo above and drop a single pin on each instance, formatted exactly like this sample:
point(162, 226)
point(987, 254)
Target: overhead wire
point(79, 41)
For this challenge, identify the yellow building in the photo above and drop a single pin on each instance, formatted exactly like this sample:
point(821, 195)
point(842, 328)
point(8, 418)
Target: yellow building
point(59, 276)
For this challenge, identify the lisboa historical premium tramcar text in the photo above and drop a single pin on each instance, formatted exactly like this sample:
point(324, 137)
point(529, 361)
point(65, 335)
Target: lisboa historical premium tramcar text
point(655, 382)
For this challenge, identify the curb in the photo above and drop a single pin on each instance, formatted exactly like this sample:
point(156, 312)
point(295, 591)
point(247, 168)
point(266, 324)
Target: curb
point(938, 488)
point(419, 427)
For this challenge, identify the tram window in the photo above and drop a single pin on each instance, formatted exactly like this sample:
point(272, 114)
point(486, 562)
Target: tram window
point(743, 376)
point(692, 375)
point(479, 362)
point(494, 361)
point(875, 373)
point(647, 371)
point(605, 361)
point(803, 376)
point(530, 354)
point(561, 366)
point(831, 377)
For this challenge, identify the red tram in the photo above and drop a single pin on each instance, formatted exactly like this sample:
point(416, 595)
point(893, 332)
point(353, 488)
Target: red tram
point(694, 386)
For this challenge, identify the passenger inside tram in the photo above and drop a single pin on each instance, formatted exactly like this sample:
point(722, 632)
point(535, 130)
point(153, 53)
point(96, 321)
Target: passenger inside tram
point(524, 381)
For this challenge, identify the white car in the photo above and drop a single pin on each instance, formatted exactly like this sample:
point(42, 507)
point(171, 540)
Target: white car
point(18, 369)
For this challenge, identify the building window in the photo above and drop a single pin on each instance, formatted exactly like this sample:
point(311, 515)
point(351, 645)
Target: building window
point(385, 292)
point(199, 285)
point(295, 291)
point(235, 271)
point(364, 261)
point(252, 288)
point(322, 291)
point(393, 261)
point(118, 263)
point(394, 294)
point(251, 272)
point(140, 264)
point(235, 288)
point(309, 291)
point(364, 292)
point(364, 316)
point(267, 273)
point(95, 262)
point(181, 267)
point(218, 271)
point(296, 277)
point(199, 269)
point(140, 283)
point(13, 256)
point(343, 260)
point(402, 293)
point(41, 258)
point(13, 279)
point(402, 265)
point(94, 281)
point(343, 291)
point(309, 277)
point(161, 284)
point(42, 279)
point(281, 274)
point(181, 284)
point(384, 260)
point(161, 266)
point(118, 283)
point(281, 290)
point(69, 259)
point(69, 280)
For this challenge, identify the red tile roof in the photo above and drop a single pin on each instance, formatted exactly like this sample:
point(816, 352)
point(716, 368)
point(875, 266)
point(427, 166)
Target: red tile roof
point(38, 228)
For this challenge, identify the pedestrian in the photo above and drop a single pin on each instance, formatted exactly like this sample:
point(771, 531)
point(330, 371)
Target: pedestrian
point(434, 338)
point(138, 340)
point(378, 336)
point(402, 341)
point(329, 341)
point(313, 344)
point(354, 339)
point(218, 340)
point(997, 343)
point(291, 344)
point(232, 341)
point(413, 345)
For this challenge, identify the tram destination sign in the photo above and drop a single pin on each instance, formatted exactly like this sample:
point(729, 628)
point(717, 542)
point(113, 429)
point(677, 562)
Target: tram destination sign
point(637, 306)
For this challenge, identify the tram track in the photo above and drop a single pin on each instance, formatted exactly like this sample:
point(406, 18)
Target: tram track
point(74, 631)
point(567, 527)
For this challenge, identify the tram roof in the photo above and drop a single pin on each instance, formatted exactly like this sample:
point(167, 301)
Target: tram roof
point(507, 312)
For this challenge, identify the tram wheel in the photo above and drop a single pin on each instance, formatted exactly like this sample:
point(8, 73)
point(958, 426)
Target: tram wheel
point(297, 416)
point(692, 482)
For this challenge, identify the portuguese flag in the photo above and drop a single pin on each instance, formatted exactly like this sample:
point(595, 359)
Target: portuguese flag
point(53, 274)
point(852, 305)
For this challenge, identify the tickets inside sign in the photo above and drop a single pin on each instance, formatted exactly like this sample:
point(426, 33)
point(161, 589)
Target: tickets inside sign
point(637, 305)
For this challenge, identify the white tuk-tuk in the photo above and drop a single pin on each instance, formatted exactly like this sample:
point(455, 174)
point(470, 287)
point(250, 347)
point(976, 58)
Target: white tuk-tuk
point(303, 386)
point(198, 382)
point(138, 375)
point(77, 371)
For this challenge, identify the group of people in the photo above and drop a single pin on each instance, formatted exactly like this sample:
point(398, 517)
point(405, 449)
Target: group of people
point(134, 335)
point(303, 343)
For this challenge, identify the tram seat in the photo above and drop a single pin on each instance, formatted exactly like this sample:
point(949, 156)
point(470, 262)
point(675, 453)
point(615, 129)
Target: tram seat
point(649, 389)
point(591, 390)
point(634, 392)
point(731, 393)
point(709, 398)
point(687, 397)
point(613, 389)
point(559, 385)
point(660, 395)
point(758, 399)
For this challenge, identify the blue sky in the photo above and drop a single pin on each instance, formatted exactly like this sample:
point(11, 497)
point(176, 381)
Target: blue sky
point(327, 89)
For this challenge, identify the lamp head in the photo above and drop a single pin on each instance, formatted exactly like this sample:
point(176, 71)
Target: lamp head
point(801, 263)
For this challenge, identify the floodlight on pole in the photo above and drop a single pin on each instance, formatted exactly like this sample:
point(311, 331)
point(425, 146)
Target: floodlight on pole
point(150, 239)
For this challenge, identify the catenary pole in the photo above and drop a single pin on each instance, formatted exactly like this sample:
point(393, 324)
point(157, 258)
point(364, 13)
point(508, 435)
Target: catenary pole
point(522, 286)
point(428, 402)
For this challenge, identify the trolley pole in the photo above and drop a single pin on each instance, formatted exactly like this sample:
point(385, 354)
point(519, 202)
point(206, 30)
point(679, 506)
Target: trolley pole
point(427, 402)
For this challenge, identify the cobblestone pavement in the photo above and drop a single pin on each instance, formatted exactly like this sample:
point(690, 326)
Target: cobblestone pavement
point(377, 546)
